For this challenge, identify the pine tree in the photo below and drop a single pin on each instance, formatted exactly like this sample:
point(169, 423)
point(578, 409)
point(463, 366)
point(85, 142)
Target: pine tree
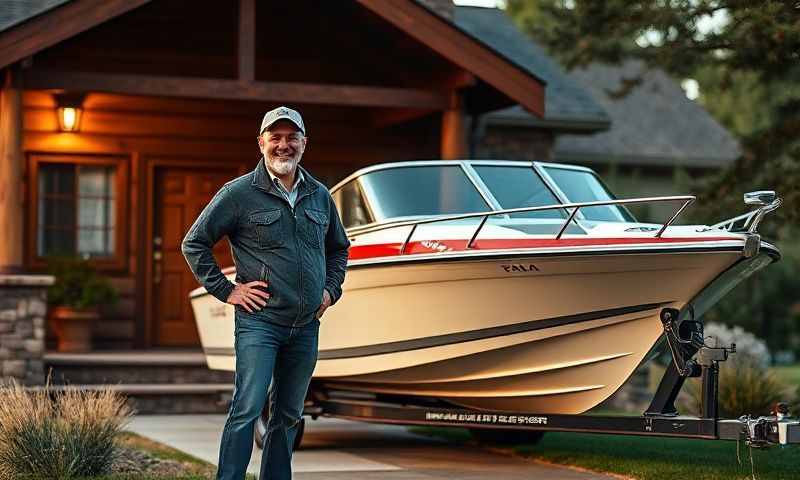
point(744, 54)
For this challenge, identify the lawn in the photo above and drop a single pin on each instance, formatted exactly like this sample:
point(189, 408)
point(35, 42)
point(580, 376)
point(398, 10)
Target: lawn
point(789, 374)
point(653, 458)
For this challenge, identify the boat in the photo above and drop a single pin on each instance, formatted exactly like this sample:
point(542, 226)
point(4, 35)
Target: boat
point(507, 285)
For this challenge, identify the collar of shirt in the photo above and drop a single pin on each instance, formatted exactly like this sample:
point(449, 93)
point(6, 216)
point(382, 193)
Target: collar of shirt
point(298, 177)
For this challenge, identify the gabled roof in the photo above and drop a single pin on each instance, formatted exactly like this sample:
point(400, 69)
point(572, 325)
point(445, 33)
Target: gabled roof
point(567, 104)
point(38, 24)
point(654, 124)
point(417, 20)
point(41, 23)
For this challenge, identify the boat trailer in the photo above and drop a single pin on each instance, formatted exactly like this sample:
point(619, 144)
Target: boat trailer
point(691, 357)
point(757, 432)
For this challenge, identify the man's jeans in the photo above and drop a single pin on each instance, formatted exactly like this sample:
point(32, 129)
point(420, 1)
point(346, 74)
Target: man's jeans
point(266, 352)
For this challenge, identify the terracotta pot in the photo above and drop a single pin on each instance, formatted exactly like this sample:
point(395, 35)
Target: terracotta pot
point(74, 328)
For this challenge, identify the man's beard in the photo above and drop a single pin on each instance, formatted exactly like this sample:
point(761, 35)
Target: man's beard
point(282, 167)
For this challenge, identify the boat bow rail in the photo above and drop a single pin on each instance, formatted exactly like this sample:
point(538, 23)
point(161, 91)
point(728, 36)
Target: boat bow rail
point(766, 200)
point(572, 208)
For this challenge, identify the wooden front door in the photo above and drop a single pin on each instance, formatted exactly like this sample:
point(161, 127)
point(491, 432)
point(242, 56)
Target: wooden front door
point(180, 195)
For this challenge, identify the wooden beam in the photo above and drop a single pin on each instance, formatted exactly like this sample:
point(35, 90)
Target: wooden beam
point(123, 145)
point(463, 50)
point(11, 193)
point(384, 119)
point(247, 40)
point(454, 133)
point(192, 87)
point(63, 22)
point(461, 79)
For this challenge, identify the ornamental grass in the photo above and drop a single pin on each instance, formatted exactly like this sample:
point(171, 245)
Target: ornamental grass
point(746, 385)
point(64, 434)
point(745, 388)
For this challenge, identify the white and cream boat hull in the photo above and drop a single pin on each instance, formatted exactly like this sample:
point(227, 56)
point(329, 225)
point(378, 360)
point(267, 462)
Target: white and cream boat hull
point(549, 330)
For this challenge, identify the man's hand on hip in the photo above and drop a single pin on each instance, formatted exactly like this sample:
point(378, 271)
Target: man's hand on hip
point(249, 296)
point(326, 302)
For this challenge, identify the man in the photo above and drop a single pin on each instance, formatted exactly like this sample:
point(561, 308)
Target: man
point(290, 251)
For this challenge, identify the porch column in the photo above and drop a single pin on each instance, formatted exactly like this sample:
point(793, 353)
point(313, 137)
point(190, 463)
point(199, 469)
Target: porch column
point(11, 217)
point(454, 137)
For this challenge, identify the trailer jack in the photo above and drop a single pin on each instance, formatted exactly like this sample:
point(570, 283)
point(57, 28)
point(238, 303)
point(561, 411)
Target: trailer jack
point(691, 357)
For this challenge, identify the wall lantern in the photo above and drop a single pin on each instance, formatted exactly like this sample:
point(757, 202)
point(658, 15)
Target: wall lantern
point(69, 111)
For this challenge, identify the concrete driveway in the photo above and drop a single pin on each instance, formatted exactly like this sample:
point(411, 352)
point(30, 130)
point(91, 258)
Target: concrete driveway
point(338, 449)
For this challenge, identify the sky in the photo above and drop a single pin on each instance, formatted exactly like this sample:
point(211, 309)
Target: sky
point(477, 3)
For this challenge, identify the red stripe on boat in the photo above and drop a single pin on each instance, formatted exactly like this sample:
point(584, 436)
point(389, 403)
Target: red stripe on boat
point(360, 252)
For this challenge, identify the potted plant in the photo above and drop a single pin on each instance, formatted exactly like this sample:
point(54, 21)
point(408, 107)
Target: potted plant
point(75, 299)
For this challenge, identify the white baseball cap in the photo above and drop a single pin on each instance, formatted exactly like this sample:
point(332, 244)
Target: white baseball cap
point(282, 113)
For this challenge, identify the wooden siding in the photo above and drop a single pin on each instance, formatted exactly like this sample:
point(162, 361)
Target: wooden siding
point(146, 129)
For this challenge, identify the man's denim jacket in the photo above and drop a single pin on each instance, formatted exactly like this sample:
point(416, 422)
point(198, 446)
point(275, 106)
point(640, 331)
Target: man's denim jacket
point(297, 251)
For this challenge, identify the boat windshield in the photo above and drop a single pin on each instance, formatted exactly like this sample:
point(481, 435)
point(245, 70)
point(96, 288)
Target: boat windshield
point(421, 191)
point(584, 186)
point(518, 187)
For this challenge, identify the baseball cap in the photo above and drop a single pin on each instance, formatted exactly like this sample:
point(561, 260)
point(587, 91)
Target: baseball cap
point(282, 113)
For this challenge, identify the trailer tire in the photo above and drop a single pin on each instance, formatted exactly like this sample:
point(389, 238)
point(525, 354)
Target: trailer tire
point(495, 436)
point(260, 430)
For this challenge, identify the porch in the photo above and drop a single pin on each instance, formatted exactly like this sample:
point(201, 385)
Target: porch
point(165, 97)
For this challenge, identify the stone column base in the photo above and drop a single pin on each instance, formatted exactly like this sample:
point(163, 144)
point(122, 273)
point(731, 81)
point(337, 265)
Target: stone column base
point(23, 307)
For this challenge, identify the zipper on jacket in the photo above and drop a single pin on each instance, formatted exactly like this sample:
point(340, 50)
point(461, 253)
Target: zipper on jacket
point(299, 269)
point(293, 209)
point(300, 257)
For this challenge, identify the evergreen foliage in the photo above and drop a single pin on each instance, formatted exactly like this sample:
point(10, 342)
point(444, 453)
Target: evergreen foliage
point(745, 55)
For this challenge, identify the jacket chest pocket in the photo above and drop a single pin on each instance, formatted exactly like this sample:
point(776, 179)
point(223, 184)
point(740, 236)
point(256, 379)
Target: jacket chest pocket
point(268, 227)
point(315, 227)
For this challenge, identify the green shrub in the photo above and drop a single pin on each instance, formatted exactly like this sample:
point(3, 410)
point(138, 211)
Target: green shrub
point(59, 435)
point(77, 284)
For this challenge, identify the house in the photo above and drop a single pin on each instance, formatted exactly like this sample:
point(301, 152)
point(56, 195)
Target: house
point(119, 119)
point(512, 133)
point(657, 133)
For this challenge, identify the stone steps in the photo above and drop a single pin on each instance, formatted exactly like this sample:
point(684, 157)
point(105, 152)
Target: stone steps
point(153, 381)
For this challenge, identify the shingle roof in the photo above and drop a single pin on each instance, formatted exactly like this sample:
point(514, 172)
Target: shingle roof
point(654, 124)
point(13, 12)
point(567, 104)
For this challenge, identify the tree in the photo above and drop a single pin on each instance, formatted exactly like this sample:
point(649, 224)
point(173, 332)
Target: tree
point(744, 54)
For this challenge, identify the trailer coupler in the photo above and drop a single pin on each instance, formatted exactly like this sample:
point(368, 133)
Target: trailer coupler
point(763, 431)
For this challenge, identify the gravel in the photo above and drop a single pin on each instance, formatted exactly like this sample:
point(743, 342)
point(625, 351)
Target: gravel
point(132, 461)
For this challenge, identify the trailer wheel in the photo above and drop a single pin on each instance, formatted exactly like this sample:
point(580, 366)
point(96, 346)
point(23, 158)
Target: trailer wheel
point(260, 430)
point(494, 436)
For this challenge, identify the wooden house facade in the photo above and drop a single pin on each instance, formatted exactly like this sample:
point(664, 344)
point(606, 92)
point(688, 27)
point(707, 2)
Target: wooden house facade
point(119, 119)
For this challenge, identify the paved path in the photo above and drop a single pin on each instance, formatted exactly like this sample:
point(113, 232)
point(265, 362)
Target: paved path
point(337, 449)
